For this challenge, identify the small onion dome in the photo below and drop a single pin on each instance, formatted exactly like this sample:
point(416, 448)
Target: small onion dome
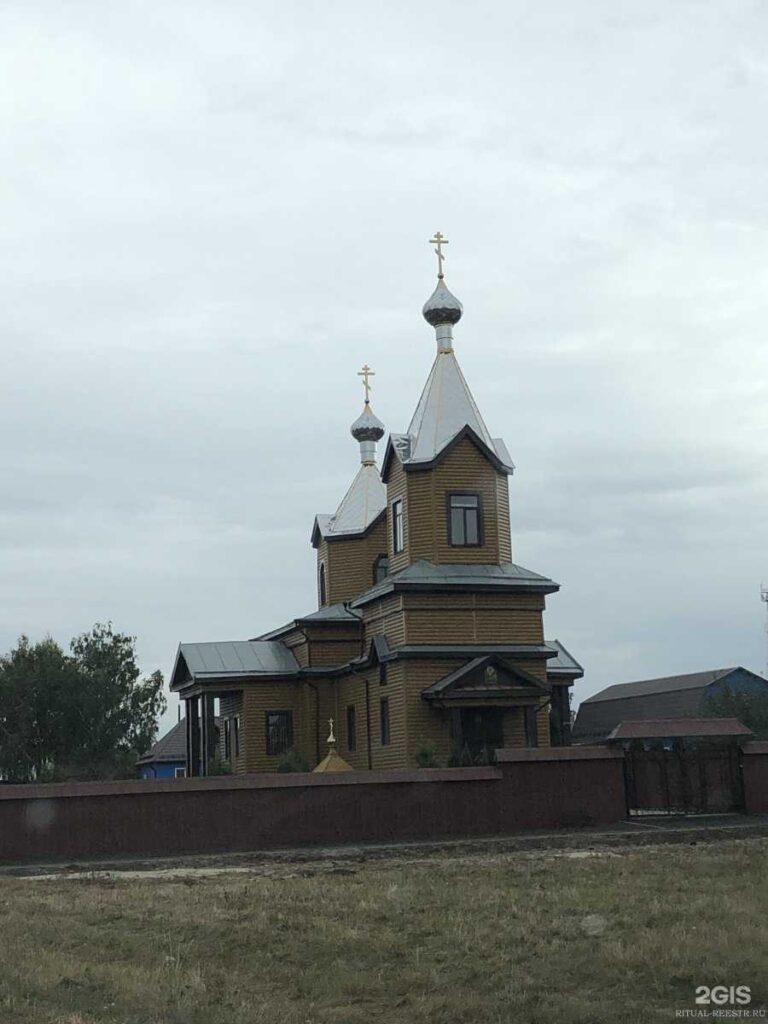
point(367, 427)
point(442, 307)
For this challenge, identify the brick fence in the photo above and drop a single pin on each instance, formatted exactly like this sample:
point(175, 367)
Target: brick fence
point(528, 789)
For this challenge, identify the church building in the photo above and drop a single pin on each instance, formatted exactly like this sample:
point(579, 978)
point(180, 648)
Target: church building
point(427, 644)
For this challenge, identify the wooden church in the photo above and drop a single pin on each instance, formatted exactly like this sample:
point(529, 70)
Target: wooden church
point(427, 645)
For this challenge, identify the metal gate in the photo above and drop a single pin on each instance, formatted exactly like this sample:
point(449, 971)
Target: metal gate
point(681, 781)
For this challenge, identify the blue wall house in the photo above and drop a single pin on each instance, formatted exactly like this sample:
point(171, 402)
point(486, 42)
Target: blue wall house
point(166, 759)
point(672, 697)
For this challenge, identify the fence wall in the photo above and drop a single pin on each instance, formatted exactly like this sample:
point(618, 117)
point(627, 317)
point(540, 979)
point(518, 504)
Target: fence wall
point(755, 775)
point(536, 789)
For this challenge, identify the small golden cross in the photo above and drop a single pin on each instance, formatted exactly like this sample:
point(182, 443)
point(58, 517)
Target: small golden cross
point(366, 373)
point(439, 241)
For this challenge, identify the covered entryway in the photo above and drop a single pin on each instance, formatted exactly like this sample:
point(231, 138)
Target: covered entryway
point(480, 730)
point(491, 703)
point(682, 766)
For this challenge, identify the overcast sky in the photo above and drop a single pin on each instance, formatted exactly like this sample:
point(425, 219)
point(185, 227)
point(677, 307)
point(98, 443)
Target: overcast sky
point(215, 211)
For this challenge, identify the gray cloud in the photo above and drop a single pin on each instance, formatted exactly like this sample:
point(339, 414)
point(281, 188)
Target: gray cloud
point(214, 213)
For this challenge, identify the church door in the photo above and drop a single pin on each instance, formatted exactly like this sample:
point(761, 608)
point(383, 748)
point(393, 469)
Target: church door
point(482, 731)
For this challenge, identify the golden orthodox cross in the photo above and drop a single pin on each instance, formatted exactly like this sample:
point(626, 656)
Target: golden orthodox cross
point(439, 240)
point(366, 373)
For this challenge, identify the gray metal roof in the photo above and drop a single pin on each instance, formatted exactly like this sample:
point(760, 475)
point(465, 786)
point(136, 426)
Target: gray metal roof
point(363, 503)
point(333, 613)
point(445, 408)
point(237, 658)
point(329, 613)
point(170, 747)
point(425, 575)
point(564, 664)
point(689, 681)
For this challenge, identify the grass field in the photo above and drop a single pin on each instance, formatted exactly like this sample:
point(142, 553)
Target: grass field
point(488, 938)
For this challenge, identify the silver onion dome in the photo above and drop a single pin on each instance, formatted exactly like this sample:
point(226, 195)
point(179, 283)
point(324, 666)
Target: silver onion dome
point(442, 307)
point(367, 429)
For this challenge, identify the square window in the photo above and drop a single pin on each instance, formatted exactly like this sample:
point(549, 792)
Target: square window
point(279, 731)
point(531, 727)
point(351, 728)
point(384, 721)
point(181, 773)
point(464, 520)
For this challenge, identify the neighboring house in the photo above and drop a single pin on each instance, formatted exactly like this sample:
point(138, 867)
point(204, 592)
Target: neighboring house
point(669, 697)
point(167, 758)
point(426, 633)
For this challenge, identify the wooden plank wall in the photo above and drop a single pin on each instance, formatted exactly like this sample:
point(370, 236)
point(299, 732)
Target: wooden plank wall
point(424, 495)
point(349, 563)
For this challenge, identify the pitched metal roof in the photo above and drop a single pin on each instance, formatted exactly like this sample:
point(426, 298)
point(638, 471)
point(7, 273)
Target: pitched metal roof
point(689, 681)
point(329, 613)
point(235, 659)
point(564, 664)
point(425, 575)
point(445, 410)
point(170, 747)
point(657, 728)
point(360, 507)
point(446, 405)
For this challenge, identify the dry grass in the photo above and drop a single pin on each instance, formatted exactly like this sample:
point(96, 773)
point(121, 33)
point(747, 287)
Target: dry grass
point(490, 939)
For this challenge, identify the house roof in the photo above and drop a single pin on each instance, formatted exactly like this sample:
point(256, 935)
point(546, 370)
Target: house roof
point(656, 728)
point(423, 575)
point(171, 747)
point(360, 507)
point(234, 659)
point(564, 664)
point(689, 681)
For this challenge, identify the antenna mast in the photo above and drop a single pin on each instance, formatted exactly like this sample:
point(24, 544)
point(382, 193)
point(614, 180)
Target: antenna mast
point(764, 599)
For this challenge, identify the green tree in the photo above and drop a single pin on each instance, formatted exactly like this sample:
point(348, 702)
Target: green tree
point(86, 714)
point(751, 709)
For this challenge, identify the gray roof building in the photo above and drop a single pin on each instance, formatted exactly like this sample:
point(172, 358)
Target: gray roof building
point(683, 696)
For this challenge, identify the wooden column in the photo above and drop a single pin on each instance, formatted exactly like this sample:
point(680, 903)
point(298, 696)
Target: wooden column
point(208, 744)
point(193, 736)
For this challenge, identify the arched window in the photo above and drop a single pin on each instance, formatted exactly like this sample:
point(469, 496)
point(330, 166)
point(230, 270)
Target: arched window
point(321, 583)
point(380, 568)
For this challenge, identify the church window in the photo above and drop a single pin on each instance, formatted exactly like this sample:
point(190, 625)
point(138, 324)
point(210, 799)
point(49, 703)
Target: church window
point(464, 520)
point(351, 728)
point(384, 721)
point(398, 530)
point(380, 568)
point(321, 583)
point(531, 727)
point(279, 731)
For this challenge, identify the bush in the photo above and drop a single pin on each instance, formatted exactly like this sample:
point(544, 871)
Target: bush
point(219, 766)
point(425, 756)
point(292, 761)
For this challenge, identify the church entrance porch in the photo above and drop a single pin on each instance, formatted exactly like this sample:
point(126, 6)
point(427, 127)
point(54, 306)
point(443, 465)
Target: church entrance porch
point(478, 732)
